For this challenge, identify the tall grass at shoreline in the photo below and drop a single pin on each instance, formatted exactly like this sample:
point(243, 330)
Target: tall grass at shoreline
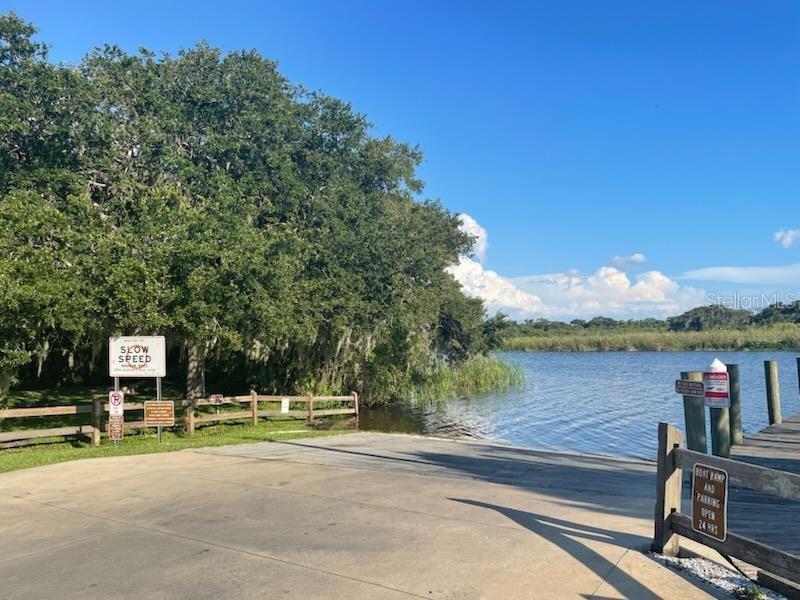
point(784, 336)
point(476, 375)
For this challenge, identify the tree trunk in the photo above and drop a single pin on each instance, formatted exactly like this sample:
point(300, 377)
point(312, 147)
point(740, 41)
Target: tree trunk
point(6, 376)
point(195, 370)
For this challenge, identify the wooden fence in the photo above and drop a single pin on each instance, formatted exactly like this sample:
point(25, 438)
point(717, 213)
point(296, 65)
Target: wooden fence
point(95, 412)
point(670, 522)
point(9, 439)
point(193, 418)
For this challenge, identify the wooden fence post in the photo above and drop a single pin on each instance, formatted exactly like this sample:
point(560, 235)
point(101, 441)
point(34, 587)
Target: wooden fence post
point(773, 392)
point(669, 483)
point(355, 395)
point(254, 406)
point(190, 409)
point(310, 409)
point(97, 422)
point(735, 412)
point(694, 412)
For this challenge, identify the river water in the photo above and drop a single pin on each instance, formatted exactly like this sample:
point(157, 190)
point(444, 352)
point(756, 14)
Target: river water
point(595, 402)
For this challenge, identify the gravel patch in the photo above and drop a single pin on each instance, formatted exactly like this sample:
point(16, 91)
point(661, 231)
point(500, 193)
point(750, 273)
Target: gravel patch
point(727, 580)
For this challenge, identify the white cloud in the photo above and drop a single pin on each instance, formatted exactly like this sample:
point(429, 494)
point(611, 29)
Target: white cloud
point(608, 291)
point(785, 274)
point(786, 237)
point(473, 228)
point(611, 292)
point(498, 292)
point(625, 261)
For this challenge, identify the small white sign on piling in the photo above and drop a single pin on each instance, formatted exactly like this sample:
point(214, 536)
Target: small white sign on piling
point(717, 385)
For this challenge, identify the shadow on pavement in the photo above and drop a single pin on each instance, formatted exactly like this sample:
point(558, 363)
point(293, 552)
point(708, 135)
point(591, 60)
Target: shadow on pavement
point(572, 537)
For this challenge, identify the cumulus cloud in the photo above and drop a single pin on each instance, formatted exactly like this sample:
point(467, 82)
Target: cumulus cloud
point(608, 291)
point(473, 228)
point(626, 261)
point(786, 237)
point(611, 292)
point(498, 292)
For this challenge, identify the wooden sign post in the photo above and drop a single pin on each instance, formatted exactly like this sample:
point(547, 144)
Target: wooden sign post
point(690, 385)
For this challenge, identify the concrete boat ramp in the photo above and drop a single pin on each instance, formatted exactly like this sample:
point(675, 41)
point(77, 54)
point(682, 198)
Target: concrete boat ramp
point(359, 516)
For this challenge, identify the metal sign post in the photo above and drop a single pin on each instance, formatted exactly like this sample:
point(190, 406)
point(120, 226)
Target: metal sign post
point(158, 399)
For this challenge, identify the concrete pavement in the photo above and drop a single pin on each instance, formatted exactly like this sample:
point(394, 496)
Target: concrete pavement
point(353, 516)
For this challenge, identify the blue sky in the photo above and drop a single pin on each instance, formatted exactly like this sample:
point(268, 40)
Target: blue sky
point(570, 132)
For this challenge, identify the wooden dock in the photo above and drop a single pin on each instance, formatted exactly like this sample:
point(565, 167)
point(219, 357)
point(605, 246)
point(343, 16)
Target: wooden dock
point(760, 516)
point(776, 447)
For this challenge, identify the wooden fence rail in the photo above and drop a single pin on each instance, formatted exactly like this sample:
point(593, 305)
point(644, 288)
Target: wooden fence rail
point(11, 439)
point(193, 418)
point(97, 410)
point(670, 523)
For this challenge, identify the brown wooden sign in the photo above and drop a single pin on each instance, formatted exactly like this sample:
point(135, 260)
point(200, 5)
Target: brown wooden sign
point(116, 427)
point(689, 388)
point(710, 501)
point(159, 414)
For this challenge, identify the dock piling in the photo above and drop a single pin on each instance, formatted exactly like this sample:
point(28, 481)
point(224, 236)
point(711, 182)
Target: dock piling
point(773, 392)
point(720, 432)
point(695, 416)
point(735, 412)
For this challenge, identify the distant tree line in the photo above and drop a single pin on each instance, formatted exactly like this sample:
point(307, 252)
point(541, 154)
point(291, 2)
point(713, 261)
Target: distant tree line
point(702, 318)
point(259, 226)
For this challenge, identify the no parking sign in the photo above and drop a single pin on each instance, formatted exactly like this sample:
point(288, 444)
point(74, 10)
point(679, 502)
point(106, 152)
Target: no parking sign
point(116, 415)
point(116, 404)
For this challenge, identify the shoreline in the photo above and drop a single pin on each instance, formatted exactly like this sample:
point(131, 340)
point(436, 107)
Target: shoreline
point(665, 350)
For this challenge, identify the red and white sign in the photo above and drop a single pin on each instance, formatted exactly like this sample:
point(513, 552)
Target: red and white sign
point(116, 404)
point(717, 385)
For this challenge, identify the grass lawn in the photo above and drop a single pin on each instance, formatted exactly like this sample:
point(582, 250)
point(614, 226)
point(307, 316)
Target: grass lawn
point(146, 442)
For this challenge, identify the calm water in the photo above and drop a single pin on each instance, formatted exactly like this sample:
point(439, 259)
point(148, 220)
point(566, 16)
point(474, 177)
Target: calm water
point(604, 402)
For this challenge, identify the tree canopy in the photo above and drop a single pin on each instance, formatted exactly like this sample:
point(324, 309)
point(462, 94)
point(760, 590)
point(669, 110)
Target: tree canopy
point(259, 226)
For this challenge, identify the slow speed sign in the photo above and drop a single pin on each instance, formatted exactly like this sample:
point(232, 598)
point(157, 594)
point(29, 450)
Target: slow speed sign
point(132, 356)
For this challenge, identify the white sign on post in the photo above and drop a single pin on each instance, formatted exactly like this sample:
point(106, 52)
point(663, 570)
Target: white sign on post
point(116, 404)
point(716, 384)
point(137, 356)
